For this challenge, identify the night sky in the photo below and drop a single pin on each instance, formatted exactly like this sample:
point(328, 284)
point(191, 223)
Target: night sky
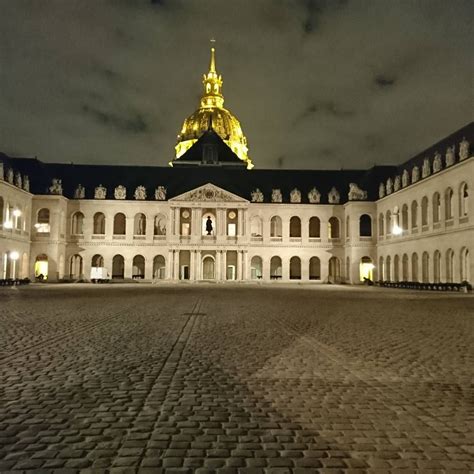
point(315, 84)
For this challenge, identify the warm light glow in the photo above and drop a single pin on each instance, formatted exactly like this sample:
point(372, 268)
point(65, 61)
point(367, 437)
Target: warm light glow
point(14, 255)
point(366, 271)
point(17, 213)
point(397, 230)
point(8, 225)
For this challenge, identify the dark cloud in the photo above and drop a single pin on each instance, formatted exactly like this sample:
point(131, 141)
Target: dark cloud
point(324, 108)
point(133, 123)
point(384, 81)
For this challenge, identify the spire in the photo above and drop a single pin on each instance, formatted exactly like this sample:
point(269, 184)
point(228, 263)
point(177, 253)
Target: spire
point(212, 66)
point(212, 96)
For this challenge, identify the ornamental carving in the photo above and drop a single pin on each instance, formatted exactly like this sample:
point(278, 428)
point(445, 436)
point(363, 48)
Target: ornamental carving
point(2, 172)
point(10, 175)
point(415, 174)
point(160, 193)
point(381, 190)
point(295, 196)
point(405, 178)
point(140, 193)
point(437, 162)
point(450, 156)
point(355, 193)
point(276, 195)
point(334, 196)
point(208, 194)
point(256, 195)
point(26, 183)
point(397, 184)
point(80, 192)
point(100, 192)
point(56, 187)
point(314, 196)
point(18, 180)
point(463, 149)
point(426, 170)
point(120, 192)
point(389, 186)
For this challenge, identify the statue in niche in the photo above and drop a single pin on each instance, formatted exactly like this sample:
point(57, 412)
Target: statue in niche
point(314, 196)
point(141, 225)
point(463, 149)
point(120, 192)
point(426, 170)
point(160, 193)
point(18, 180)
point(415, 174)
point(26, 183)
point(381, 190)
point(160, 225)
point(56, 187)
point(80, 192)
point(405, 178)
point(10, 175)
point(334, 196)
point(100, 192)
point(397, 183)
point(355, 193)
point(437, 162)
point(209, 227)
point(389, 186)
point(140, 193)
point(295, 196)
point(450, 156)
point(276, 195)
point(2, 172)
point(257, 195)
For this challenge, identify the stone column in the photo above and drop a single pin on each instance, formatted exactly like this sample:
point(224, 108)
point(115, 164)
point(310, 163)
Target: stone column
point(218, 267)
point(245, 265)
point(224, 265)
point(169, 265)
point(324, 270)
point(177, 230)
point(239, 222)
point(198, 265)
point(239, 265)
point(176, 269)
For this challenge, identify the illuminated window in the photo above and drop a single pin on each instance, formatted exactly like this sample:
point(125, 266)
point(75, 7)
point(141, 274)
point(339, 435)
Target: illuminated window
point(42, 225)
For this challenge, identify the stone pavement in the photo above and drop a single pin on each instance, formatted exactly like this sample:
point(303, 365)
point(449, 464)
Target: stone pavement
point(235, 379)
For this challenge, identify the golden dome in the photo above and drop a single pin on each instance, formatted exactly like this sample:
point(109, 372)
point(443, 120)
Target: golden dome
point(212, 114)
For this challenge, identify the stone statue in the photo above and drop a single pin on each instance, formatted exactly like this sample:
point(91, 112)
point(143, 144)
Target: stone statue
point(415, 174)
point(26, 183)
point(120, 192)
point(10, 175)
point(389, 186)
point(463, 149)
point(160, 193)
point(209, 225)
point(2, 172)
point(100, 192)
point(141, 225)
point(56, 187)
point(397, 184)
point(334, 196)
point(256, 196)
point(80, 192)
point(450, 156)
point(426, 170)
point(355, 193)
point(381, 190)
point(276, 195)
point(295, 196)
point(405, 178)
point(437, 162)
point(314, 196)
point(160, 225)
point(18, 180)
point(140, 193)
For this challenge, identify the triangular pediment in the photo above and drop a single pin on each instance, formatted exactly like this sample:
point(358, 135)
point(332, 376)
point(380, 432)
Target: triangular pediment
point(208, 193)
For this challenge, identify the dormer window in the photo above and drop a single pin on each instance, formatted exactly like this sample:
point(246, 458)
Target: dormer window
point(209, 154)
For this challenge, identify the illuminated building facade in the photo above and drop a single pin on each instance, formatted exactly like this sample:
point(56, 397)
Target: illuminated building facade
point(210, 216)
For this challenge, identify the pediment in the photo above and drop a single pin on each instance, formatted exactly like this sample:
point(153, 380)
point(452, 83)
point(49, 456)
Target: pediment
point(208, 193)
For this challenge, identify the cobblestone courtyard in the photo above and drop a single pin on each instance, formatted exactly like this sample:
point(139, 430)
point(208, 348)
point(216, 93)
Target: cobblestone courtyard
point(229, 379)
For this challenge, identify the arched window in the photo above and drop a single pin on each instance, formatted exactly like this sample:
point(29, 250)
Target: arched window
point(424, 211)
point(256, 226)
point(414, 267)
point(139, 224)
point(365, 226)
point(425, 267)
point(414, 214)
point(405, 276)
point(256, 268)
point(463, 200)
point(448, 198)
point(436, 207)
point(41, 267)
point(138, 270)
point(99, 223)
point(334, 270)
point(76, 267)
point(120, 223)
point(333, 228)
point(159, 225)
point(388, 269)
point(450, 266)
point(465, 265)
point(437, 267)
point(381, 225)
point(314, 268)
point(97, 261)
point(295, 268)
point(159, 267)
point(77, 223)
point(388, 222)
point(396, 268)
point(42, 223)
point(295, 227)
point(275, 226)
point(275, 268)
point(314, 227)
point(118, 266)
point(405, 218)
point(366, 269)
